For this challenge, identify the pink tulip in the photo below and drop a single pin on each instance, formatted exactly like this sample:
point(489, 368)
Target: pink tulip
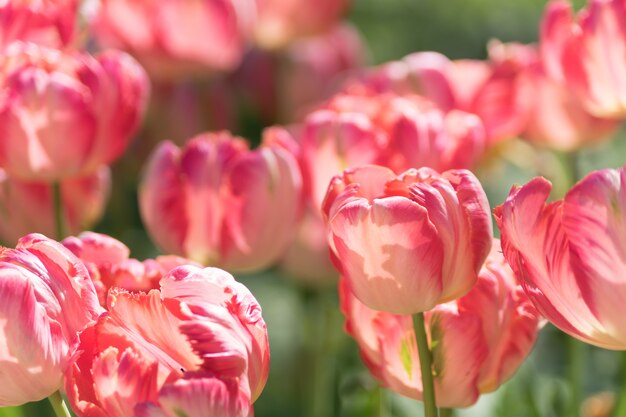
point(407, 243)
point(110, 266)
point(64, 114)
point(558, 119)
point(26, 207)
point(283, 21)
point(495, 90)
point(569, 254)
point(174, 39)
point(478, 341)
point(219, 203)
point(588, 53)
point(197, 345)
point(47, 298)
point(46, 22)
point(398, 131)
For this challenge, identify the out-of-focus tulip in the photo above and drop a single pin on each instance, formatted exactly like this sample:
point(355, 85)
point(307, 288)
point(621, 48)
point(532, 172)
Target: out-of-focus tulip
point(27, 207)
point(478, 341)
point(569, 254)
point(164, 35)
point(47, 298)
point(64, 114)
point(407, 243)
point(398, 131)
point(196, 345)
point(45, 22)
point(495, 90)
point(588, 53)
point(315, 65)
point(285, 87)
point(283, 21)
point(558, 119)
point(217, 202)
point(110, 266)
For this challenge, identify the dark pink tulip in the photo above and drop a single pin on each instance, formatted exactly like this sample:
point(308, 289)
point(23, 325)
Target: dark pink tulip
point(47, 298)
point(196, 345)
point(407, 243)
point(280, 22)
point(27, 206)
point(110, 266)
point(587, 52)
point(145, 29)
point(45, 22)
point(569, 254)
point(478, 341)
point(64, 114)
point(217, 202)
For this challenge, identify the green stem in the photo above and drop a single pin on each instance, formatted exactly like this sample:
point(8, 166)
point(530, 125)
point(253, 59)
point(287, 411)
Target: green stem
point(58, 405)
point(428, 388)
point(576, 356)
point(320, 317)
point(58, 210)
point(382, 402)
point(620, 404)
point(446, 412)
point(572, 166)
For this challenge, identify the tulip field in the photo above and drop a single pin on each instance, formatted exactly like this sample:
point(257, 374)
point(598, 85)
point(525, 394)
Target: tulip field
point(330, 208)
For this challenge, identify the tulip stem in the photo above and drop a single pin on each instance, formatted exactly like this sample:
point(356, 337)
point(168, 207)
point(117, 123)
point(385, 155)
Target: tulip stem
point(446, 412)
point(620, 402)
point(576, 358)
point(428, 388)
point(58, 405)
point(58, 210)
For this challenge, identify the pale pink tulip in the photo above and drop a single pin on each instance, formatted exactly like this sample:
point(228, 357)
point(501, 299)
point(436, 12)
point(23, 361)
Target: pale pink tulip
point(407, 243)
point(47, 298)
point(478, 341)
point(110, 266)
point(64, 114)
point(45, 22)
point(28, 207)
point(217, 202)
point(175, 39)
point(588, 52)
point(197, 345)
point(569, 254)
point(283, 21)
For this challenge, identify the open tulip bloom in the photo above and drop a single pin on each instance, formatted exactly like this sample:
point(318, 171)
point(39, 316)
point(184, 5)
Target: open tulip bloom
point(407, 242)
point(569, 254)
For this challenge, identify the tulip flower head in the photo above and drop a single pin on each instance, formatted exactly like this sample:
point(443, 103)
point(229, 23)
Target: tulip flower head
point(585, 51)
point(478, 341)
point(109, 265)
point(217, 202)
point(45, 22)
point(569, 254)
point(64, 114)
point(47, 299)
point(407, 243)
point(144, 28)
point(197, 345)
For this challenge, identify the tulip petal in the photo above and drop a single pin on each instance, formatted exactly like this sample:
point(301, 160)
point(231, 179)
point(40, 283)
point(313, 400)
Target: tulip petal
point(406, 273)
